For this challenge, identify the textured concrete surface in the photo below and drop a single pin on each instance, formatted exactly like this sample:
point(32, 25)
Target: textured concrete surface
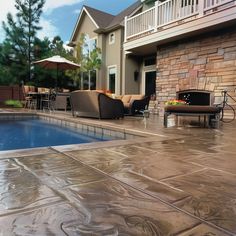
point(174, 181)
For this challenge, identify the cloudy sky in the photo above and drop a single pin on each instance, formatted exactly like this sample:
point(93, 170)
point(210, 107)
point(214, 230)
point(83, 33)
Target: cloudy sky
point(59, 16)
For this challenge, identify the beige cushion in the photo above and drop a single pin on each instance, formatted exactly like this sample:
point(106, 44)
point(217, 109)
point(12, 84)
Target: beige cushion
point(99, 91)
point(126, 104)
point(119, 97)
point(32, 88)
point(26, 89)
point(41, 90)
point(126, 98)
point(136, 97)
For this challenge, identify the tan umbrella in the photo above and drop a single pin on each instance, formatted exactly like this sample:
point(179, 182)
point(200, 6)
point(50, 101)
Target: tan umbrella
point(58, 63)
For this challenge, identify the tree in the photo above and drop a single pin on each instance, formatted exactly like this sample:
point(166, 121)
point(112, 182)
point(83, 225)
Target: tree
point(57, 48)
point(21, 36)
point(45, 49)
point(89, 57)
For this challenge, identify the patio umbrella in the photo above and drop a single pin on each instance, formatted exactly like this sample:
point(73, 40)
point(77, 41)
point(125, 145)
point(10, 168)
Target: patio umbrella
point(58, 63)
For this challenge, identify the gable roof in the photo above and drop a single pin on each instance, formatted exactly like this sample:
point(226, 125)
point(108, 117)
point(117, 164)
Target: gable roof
point(101, 18)
point(104, 21)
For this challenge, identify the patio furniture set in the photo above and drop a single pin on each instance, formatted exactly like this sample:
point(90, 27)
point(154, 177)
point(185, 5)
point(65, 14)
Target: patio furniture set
point(45, 98)
point(96, 104)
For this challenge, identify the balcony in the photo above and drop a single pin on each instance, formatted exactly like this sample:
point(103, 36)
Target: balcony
point(170, 14)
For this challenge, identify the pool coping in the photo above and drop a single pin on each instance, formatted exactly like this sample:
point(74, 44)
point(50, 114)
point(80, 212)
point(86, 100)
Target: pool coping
point(127, 135)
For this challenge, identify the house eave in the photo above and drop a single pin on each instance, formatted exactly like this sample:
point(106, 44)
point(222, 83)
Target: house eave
point(71, 44)
point(107, 30)
point(84, 10)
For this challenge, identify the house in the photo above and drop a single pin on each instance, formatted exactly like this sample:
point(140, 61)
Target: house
point(107, 33)
point(167, 48)
point(193, 43)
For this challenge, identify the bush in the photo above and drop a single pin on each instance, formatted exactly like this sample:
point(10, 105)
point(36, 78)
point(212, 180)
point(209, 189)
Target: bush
point(14, 103)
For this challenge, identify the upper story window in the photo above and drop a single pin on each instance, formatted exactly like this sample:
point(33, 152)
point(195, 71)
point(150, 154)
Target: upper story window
point(112, 38)
point(89, 45)
point(150, 61)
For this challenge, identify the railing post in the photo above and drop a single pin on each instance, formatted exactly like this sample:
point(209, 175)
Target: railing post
point(125, 33)
point(201, 7)
point(156, 16)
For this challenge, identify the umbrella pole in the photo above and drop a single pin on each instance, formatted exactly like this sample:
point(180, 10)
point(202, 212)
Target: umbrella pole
point(56, 77)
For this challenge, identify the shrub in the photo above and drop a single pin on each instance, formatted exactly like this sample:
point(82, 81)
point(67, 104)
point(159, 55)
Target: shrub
point(14, 103)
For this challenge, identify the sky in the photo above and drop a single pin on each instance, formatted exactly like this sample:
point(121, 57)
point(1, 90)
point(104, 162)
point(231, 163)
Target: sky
point(59, 16)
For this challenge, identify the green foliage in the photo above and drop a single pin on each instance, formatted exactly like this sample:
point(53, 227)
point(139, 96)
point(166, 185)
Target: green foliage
point(18, 47)
point(46, 77)
point(57, 48)
point(93, 61)
point(14, 103)
point(21, 47)
point(89, 61)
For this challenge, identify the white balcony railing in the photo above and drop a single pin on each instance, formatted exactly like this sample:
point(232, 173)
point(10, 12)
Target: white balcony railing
point(173, 10)
point(167, 12)
point(141, 23)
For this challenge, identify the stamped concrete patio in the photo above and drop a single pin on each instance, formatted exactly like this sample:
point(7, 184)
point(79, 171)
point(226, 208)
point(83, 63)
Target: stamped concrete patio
point(173, 181)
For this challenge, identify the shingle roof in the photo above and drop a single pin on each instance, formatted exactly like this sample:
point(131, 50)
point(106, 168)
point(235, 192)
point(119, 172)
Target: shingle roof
point(106, 21)
point(118, 19)
point(101, 18)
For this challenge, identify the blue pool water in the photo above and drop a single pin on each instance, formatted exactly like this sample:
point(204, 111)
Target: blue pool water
point(18, 134)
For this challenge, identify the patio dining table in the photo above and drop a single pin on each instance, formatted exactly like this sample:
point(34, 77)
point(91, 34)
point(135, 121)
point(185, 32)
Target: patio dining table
point(62, 99)
point(38, 96)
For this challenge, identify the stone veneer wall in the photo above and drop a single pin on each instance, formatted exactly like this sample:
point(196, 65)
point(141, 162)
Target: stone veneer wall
point(206, 62)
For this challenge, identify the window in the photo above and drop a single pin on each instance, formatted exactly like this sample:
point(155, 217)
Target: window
point(89, 80)
point(89, 45)
point(85, 80)
point(93, 79)
point(150, 61)
point(112, 79)
point(111, 38)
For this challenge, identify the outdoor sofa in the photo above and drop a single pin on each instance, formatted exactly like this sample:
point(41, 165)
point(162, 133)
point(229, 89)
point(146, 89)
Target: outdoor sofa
point(94, 104)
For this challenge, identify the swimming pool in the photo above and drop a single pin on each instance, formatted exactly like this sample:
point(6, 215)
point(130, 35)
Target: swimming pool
point(31, 133)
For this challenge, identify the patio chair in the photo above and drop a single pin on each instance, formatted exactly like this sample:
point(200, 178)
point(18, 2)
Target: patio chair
point(48, 101)
point(135, 103)
point(29, 100)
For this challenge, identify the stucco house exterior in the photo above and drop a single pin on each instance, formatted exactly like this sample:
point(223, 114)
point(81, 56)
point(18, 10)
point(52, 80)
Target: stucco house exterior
point(167, 47)
point(106, 32)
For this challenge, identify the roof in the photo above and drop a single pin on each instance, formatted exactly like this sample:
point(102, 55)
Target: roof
point(118, 19)
point(101, 18)
point(105, 21)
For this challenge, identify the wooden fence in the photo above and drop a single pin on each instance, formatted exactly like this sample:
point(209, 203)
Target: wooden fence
point(10, 92)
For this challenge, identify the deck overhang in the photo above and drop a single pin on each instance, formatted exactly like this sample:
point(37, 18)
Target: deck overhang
point(147, 44)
